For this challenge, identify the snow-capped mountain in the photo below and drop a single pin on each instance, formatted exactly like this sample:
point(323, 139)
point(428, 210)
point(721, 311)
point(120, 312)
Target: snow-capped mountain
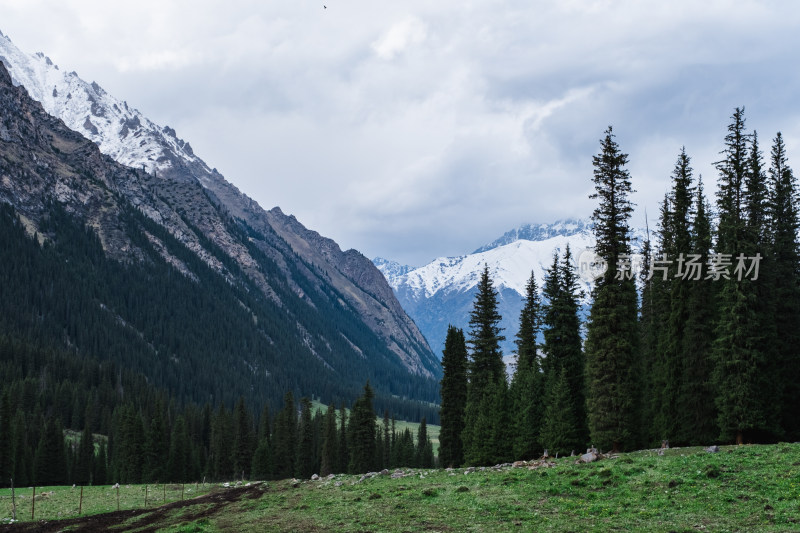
point(442, 292)
point(120, 131)
point(196, 205)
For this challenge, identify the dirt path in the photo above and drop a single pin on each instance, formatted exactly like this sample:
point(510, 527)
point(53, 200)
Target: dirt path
point(151, 519)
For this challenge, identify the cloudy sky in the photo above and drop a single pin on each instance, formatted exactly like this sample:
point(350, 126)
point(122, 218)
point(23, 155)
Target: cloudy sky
point(417, 129)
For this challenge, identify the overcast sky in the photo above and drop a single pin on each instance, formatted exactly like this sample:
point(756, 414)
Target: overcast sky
point(411, 130)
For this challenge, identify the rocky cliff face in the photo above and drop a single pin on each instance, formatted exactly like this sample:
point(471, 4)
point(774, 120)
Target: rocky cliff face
point(176, 189)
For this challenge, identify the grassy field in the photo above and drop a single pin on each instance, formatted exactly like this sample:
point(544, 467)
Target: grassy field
point(745, 488)
point(400, 425)
point(63, 502)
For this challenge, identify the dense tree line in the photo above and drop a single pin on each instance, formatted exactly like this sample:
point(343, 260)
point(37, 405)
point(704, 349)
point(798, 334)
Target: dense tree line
point(147, 439)
point(701, 347)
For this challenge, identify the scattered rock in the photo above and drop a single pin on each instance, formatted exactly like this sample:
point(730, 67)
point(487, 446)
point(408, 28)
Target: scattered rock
point(589, 457)
point(384, 472)
point(315, 477)
point(713, 449)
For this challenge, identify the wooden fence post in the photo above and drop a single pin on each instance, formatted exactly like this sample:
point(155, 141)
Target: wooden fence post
point(80, 505)
point(182, 487)
point(117, 496)
point(13, 501)
point(145, 496)
point(33, 503)
point(165, 493)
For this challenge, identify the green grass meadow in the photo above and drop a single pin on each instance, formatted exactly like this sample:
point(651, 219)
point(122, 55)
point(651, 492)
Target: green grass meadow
point(744, 488)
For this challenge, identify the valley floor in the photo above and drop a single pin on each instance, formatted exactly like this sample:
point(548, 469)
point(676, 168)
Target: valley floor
point(745, 488)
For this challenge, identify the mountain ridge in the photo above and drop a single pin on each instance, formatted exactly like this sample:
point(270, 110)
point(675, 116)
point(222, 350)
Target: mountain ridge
point(128, 137)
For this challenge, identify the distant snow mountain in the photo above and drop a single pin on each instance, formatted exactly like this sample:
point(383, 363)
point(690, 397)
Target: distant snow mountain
point(443, 291)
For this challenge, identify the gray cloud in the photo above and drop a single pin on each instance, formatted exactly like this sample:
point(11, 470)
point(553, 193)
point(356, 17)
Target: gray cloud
point(416, 129)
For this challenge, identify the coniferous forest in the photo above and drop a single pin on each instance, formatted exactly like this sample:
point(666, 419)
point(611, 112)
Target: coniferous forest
point(695, 347)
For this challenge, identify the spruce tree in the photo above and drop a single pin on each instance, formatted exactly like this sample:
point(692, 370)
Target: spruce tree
point(563, 343)
point(362, 433)
point(783, 227)
point(6, 438)
point(484, 338)
point(696, 409)
point(242, 440)
point(21, 451)
point(50, 462)
point(261, 467)
point(285, 440)
point(454, 398)
point(612, 366)
point(559, 428)
point(179, 460)
point(304, 464)
point(330, 441)
point(344, 446)
point(221, 444)
point(739, 358)
point(486, 371)
point(527, 385)
point(424, 454)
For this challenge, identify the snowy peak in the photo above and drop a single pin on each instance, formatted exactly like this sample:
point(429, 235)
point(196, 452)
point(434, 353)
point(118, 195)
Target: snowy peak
point(120, 131)
point(510, 266)
point(540, 232)
point(391, 270)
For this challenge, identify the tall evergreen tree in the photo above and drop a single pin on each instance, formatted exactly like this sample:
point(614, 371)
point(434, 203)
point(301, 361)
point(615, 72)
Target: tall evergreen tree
point(157, 444)
point(527, 387)
point(563, 343)
point(484, 337)
point(179, 460)
point(261, 467)
point(344, 446)
point(739, 359)
point(330, 441)
point(362, 433)
point(6, 438)
point(21, 451)
point(50, 462)
point(696, 408)
point(424, 446)
point(612, 366)
point(221, 444)
point(304, 462)
point(486, 374)
point(784, 224)
point(559, 427)
point(285, 440)
point(242, 439)
point(454, 398)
